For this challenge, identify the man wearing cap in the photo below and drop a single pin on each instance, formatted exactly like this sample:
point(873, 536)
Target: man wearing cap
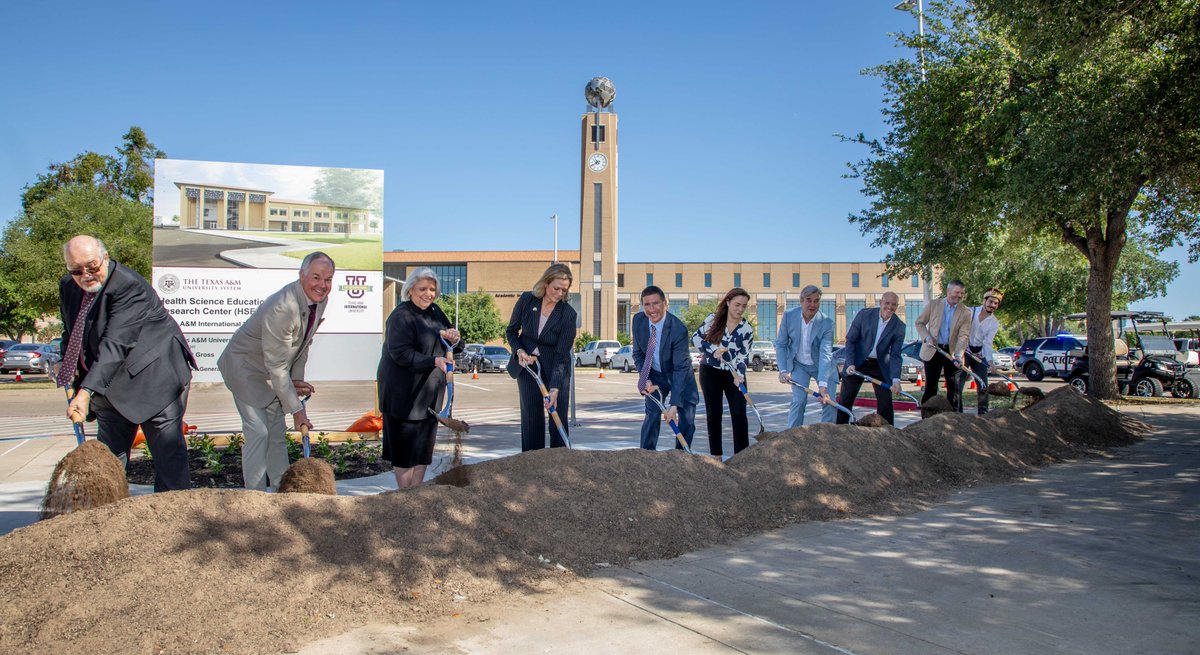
point(263, 367)
point(983, 332)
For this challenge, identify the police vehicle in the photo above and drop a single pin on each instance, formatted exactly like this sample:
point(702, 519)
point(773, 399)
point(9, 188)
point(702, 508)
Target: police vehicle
point(1042, 356)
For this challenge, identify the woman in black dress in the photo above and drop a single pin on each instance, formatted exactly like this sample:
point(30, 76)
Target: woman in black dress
point(542, 329)
point(412, 376)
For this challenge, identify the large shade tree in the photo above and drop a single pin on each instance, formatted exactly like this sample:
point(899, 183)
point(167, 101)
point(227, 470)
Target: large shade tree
point(1063, 118)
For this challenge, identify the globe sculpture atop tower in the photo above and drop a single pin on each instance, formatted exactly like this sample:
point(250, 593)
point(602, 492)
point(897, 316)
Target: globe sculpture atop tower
point(600, 92)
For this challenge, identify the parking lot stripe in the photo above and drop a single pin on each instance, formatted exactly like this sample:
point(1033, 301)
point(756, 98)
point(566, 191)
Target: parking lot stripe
point(14, 448)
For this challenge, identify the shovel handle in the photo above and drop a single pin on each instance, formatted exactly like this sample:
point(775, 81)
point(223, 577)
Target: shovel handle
point(304, 439)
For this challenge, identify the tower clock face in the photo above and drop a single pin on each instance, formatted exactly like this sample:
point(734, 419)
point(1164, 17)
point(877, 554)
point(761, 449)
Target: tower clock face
point(597, 162)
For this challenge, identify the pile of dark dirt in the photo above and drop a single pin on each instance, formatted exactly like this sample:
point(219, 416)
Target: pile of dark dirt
point(934, 406)
point(235, 571)
point(88, 477)
point(872, 420)
point(308, 476)
point(999, 389)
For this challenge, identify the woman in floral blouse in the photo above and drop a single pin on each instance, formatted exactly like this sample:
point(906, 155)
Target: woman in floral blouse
point(724, 339)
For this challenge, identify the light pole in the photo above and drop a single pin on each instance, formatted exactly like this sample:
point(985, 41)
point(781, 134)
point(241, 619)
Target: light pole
point(907, 6)
point(456, 302)
point(555, 219)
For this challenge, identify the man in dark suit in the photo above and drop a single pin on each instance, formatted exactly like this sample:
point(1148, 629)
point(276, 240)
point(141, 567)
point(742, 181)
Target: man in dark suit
point(660, 350)
point(127, 359)
point(873, 345)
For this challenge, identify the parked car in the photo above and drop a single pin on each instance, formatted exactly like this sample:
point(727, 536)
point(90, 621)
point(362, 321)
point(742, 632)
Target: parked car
point(31, 358)
point(1189, 351)
point(1042, 356)
point(470, 358)
point(5, 344)
point(1002, 361)
point(623, 359)
point(910, 365)
point(597, 353)
point(493, 358)
point(762, 355)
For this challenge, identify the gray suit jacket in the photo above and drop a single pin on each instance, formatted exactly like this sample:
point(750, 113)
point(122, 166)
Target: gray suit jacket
point(929, 323)
point(269, 350)
point(787, 343)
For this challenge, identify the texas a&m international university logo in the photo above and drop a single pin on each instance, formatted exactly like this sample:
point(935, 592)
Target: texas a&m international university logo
point(356, 286)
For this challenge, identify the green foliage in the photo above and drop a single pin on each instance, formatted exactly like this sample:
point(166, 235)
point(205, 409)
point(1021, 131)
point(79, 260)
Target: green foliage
point(583, 339)
point(1044, 279)
point(235, 444)
point(146, 451)
point(130, 175)
point(479, 321)
point(321, 449)
point(624, 338)
point(349, 189)
point(295, 450)
point(17, 317)
point(693, 316)
point(1044, 119)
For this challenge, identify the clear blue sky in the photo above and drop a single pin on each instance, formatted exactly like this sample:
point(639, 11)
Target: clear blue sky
point(727, 111)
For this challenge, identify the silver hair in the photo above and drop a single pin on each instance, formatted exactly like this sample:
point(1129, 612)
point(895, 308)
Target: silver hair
point(418, 274)
point(99, 245)
point(955, 283)
point(314, 256)
point(810, 290)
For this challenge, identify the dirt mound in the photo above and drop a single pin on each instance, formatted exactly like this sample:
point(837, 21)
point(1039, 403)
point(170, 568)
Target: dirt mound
point(236, 571)
point(308, 476)
point(999, 389)
point(934, 406)
point(88, 477)
point(872, 420)
point(1085, 421)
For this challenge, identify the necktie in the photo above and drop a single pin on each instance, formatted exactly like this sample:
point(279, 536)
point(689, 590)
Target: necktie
point(71, 358)
point(644, 374)
point(312, 316)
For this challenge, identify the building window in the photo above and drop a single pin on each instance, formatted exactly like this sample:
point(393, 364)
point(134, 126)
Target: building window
point(792, 304)
point(796, 280)
point(912, 309)
point(737, 279)
point(825, 280)
point(649, 279)
point(596, 312)
point(916, 281)
point(678, 280)
point(320, 227)
point(883, 279)
point(620, 280)
point(676, 307)
point(853, 307)
point(708, 280)
point(829, 309)
point(299, 227)
point(766, 319)
point(854, 280)
point(766, 280)
point(296, 213)
point(341, 228)
point(623, 316)
point(598, 202)
point(447, 274)
point(595, 268)
point(598, 133)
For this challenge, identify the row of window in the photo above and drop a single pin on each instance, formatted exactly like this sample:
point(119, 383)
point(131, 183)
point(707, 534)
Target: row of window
point(304, 213)
point(737, 280)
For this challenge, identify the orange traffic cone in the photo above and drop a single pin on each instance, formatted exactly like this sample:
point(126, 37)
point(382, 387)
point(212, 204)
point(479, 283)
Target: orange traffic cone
point(920, 380)
point(1012, 387)
point(475, 373)
point(18, 375)
point(973, 385)
point(601, 367)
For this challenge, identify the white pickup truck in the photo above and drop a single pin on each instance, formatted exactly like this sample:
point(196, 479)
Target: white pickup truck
point(597, 353)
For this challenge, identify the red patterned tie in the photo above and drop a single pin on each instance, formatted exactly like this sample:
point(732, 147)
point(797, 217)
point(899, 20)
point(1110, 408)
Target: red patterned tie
point(71, 358)
point(644, 374)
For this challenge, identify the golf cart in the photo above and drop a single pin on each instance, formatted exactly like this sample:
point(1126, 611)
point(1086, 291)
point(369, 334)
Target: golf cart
point(1147, 370)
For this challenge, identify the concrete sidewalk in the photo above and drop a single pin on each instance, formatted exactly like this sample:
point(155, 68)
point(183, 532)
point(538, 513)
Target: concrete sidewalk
point(1094, 556)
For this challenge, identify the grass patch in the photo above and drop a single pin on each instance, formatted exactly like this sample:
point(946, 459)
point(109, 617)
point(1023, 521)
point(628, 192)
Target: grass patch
point(327, 238)
point(353, 256)
point(39, 382)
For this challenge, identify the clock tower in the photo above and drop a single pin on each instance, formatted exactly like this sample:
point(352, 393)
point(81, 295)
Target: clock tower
point(597, 274)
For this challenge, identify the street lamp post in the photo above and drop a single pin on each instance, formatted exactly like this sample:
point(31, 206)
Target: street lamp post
point(907, 6)
point(555, 219)
point(456, 302)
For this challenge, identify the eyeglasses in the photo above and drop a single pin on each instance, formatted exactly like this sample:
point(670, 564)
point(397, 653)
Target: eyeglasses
point(89, 269)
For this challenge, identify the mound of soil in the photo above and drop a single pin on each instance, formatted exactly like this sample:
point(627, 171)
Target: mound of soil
point(216, 570)
point(308, 476)
point(936, 405)
point(88, 477)
point(872, 420)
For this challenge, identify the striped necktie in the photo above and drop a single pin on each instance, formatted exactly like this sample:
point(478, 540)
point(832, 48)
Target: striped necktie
point(644, 374)
point(74, 353)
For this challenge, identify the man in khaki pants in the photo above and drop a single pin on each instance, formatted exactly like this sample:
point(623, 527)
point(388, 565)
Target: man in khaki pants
point(945, 323)
point(263, 367)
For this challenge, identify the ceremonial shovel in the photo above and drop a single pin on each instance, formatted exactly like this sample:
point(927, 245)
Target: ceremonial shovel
point(657, 399)
point(885, 385)
point(817, 395)
point(562, 432)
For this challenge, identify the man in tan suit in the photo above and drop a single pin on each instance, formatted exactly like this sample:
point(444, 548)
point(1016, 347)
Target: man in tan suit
point(263, 366)
point(950, 334)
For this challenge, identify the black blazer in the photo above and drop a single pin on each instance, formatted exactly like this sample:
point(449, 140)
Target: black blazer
point(860, 338)
point(555, 344)
point(136, 355)
point(409, 382)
